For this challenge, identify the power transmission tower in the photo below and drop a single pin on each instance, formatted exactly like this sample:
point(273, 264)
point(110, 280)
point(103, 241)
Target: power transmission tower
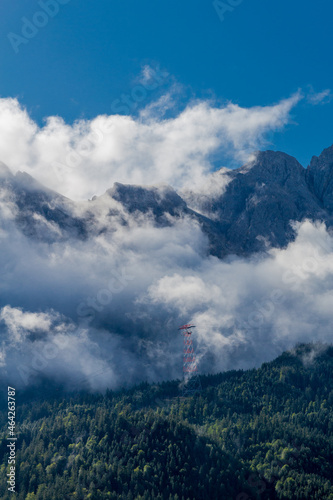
point(191, 379)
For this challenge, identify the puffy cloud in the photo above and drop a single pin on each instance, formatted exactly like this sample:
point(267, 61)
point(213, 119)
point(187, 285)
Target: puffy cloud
point(85, 158)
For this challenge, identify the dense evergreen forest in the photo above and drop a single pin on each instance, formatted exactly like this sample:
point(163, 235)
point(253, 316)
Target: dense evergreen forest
point(258, 434)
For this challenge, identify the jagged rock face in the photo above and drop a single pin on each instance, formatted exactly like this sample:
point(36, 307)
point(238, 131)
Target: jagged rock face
point(260, 201)
point(158, 200)
point(320, 178)
point(158, 203)
point(245, 211)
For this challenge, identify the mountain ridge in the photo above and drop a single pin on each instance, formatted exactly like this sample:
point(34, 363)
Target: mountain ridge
point(243, 211)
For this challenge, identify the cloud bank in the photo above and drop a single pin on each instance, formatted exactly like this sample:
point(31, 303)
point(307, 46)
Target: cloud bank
point(104, 312)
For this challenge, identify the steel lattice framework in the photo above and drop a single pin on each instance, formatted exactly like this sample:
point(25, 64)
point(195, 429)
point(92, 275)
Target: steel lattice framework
point(191, 379)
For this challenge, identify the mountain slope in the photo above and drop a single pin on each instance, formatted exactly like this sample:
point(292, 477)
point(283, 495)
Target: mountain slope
point(260, 434)
point(39, 212)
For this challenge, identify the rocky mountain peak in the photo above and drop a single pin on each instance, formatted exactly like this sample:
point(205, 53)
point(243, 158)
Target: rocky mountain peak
point(273, 166)
point(258, 204)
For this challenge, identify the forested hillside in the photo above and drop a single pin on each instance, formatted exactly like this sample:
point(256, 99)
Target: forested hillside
point(259, 434)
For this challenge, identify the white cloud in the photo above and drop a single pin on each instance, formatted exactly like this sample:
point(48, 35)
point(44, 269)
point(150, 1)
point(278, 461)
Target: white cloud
point(322, 97)
point(19, 322)
point(85, 158)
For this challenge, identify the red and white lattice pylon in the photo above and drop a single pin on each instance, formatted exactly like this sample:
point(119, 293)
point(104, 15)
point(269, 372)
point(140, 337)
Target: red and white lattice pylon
point(191, 380)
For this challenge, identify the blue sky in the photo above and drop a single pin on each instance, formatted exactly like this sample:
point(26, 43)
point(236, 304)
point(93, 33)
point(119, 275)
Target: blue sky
point(92, 52)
